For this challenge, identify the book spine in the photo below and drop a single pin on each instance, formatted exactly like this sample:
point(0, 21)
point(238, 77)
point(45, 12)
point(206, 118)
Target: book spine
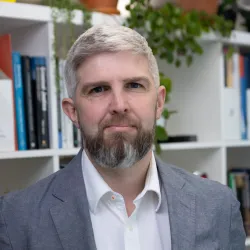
point(63, 95)
point(44, 104)
point(248, 96)
point(19, 101)
point(28, 100)
point(36, 82)
point(7, 67)
point(7, 125)
point(243, 86)
point(59, 111)
point(33, 71)
point(231, 92)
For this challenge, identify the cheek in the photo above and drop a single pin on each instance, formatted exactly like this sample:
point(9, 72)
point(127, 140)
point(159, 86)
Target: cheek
point(90, 117)
point(145, 111)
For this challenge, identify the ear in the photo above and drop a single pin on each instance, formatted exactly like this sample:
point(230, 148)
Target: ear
point(70, 110)
point(161, 95)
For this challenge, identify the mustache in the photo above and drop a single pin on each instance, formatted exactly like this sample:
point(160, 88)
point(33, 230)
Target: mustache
point(119, 120)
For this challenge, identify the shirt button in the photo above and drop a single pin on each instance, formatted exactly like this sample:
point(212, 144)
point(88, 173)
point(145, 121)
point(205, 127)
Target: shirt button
point(130, 228)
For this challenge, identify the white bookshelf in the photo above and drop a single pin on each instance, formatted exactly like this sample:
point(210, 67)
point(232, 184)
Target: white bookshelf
point(27, 154)
point(248, 242)
point(197, 95)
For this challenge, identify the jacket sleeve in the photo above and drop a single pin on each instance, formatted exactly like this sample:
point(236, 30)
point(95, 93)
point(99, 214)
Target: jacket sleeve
point(237, 236)
point(4, 238)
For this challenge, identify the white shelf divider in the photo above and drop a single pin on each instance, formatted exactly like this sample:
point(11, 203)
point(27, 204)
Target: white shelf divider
point(248, 242)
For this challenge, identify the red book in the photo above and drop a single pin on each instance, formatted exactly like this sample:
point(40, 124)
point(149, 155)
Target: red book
point(6, 67)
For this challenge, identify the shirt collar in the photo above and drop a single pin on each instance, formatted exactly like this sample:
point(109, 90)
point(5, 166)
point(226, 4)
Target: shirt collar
point(96, 187)
point(152, 183)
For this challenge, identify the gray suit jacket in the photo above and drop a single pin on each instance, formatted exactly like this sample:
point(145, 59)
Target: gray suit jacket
point(53, 214)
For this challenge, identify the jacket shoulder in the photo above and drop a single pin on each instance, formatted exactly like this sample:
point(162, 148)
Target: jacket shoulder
point(204, 188)
point(30, 195)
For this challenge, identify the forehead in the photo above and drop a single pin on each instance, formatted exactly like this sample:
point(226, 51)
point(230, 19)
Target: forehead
point(113, 66)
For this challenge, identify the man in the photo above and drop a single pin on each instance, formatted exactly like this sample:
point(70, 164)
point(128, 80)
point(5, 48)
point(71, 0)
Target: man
point(115, 194)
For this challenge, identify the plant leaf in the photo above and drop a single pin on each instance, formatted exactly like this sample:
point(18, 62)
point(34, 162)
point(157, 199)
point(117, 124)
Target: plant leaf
point(189, 60)
point(161, 133)
point(177, 63)
point(165, 113)
point(157, 148)
point(167, 83)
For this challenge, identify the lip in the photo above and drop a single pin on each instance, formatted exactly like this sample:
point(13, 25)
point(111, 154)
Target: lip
point(120, 128)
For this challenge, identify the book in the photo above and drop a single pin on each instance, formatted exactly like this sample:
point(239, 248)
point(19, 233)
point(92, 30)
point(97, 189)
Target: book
point(6, 67)
point(44, 104)
point(39, 82)
point(238, 179)
point(19, 101)
point(29, 100)
point(7, 124)
point(247, 66)
point(243, 95)
point(231, 100)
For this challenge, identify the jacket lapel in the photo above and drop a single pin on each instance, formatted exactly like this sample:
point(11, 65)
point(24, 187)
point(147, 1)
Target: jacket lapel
point(180, 202)
point(71, 216)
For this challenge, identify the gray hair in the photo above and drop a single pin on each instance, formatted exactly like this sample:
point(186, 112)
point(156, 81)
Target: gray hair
point(105, 38)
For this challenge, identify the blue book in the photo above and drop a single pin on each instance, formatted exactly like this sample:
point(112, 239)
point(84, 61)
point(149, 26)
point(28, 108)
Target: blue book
point(245, 87)
point(248, 94)
point(243, 96)
point(19, 101)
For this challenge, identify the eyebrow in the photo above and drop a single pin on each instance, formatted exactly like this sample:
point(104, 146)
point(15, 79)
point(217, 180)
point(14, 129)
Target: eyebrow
point(90, 85)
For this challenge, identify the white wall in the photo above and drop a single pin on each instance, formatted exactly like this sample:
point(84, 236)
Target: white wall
point(121, 7)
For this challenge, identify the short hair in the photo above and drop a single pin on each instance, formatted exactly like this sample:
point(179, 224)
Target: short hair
point(106, 38)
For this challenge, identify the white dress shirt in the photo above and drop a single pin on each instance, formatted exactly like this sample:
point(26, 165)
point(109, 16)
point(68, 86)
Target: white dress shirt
point(113, 229)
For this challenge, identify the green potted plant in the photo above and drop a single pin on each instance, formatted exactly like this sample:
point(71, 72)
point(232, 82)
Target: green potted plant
point(173, 32)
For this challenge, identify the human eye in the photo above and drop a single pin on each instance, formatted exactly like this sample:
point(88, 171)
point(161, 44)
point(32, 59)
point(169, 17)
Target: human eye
point(98, 90)
point(135, 85)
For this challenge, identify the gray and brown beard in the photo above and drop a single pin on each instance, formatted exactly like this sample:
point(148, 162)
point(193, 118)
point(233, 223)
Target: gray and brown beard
point(119, 149)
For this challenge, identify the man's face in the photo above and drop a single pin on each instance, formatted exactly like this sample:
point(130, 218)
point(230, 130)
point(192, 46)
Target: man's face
point(117, 105)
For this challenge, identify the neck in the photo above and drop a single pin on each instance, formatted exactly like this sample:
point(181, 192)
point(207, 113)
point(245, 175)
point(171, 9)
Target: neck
point(128, 182)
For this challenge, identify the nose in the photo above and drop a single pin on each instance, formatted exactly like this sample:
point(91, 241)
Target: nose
point(119, 104)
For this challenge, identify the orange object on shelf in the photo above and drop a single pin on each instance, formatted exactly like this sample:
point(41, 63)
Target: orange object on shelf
point(104, 6)
point(209, 6)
